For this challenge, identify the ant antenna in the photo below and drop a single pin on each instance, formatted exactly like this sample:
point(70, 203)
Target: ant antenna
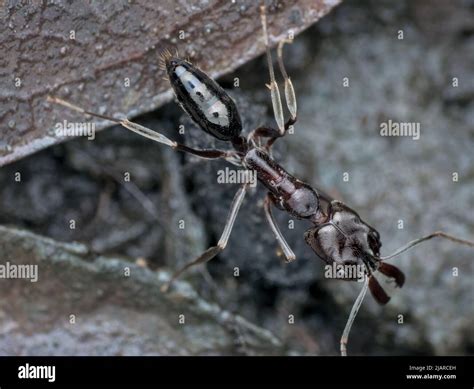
point(352, 316)
point(416, 242)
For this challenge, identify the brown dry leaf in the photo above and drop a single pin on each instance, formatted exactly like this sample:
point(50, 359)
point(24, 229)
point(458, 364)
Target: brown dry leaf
point(104, 56)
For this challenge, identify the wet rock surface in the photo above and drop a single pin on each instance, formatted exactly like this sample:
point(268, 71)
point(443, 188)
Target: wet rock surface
point(391, 179)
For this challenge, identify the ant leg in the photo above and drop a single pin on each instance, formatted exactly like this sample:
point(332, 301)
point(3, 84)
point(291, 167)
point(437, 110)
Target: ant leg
point(352, 316)
point(273, 86)
point(272, 139)
point(211, 252)
point(150, 134)
point(275, 91)
point(290, 95)
point(268, 132)
point(261, 132)
point(289, 254)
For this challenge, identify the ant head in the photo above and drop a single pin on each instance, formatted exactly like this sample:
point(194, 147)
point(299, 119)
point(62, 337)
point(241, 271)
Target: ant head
point(345, 238)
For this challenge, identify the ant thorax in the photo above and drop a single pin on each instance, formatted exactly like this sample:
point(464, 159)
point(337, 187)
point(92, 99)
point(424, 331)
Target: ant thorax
point(288, 193)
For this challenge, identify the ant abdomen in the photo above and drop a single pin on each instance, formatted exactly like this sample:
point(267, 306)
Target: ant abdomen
point(204, 100)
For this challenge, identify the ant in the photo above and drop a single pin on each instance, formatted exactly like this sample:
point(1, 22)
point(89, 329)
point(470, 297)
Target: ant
point(338, 234)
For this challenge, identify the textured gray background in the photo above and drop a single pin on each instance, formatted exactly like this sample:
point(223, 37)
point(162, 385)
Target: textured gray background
point(337, 132)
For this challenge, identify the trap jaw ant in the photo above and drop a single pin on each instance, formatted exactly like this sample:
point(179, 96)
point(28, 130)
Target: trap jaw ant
point(338, 234)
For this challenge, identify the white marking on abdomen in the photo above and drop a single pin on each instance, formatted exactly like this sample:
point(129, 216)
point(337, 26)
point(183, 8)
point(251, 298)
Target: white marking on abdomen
point(213, 109)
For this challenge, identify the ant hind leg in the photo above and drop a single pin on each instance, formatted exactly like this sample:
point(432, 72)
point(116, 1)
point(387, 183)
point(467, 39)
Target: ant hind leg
point(273, 86)
point(290, 96)
point(150, 134)
point(211, 252)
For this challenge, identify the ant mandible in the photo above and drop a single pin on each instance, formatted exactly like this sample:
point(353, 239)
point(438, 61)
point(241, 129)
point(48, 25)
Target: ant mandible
point(338, 234)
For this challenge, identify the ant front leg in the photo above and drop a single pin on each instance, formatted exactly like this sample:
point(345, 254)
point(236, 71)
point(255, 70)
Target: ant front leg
point(211, 252)
point(151, 134)
point(287, 251)
point(352, 316)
